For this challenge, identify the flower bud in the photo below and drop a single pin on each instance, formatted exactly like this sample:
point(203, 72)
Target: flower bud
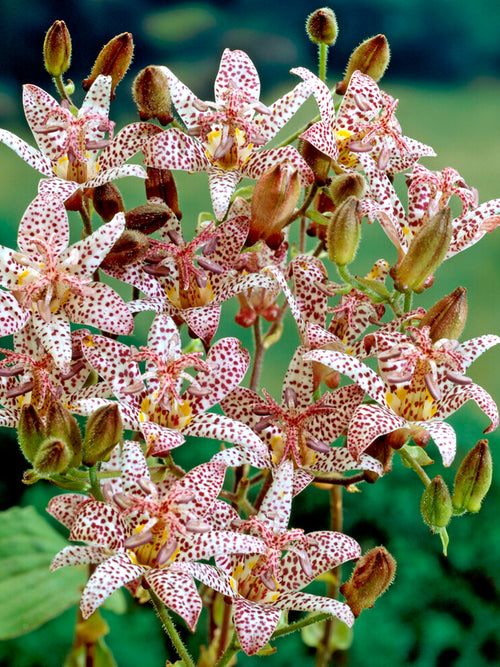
point(148, 218)
point(371, 57)
point(104, 431)
point(63, 427)
point(30, 432)
point(160, 184)
point(344, 231)
point(435, 505)
point(473, 479)
point(53, 456)
point(107, 201)
point(113, 60)
point(129, 248)
point(372, 576)
point(321, 26)
point(318, 161)
point(344, 186)
point(447, 317)
point(57, 49)
point(426, 252)
point(274, 199)
point(152, 95)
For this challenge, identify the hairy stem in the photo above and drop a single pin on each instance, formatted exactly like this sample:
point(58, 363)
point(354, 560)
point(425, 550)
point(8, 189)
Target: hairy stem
point(171, 630)
point(258, 358)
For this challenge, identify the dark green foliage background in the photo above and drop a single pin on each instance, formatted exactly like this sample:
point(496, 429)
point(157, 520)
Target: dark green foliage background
point(445, 70)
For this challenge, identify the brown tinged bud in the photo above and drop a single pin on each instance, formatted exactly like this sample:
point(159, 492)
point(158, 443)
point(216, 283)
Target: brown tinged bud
point(62, 426)
point(104, 431)
point(447, 317)
point(53, 457)
point(107, 201)
point(152, 95)
point(160, 184)
point(371, 57)
point(344, 186)
point(344, 231)
point(148, 218)
point(435, 505)
point(130, 247)
point(30, 432)
point(473, 479)
point(321, 26)
point(426, 252)
point(318, 161)
point(274, 199)
point(57, 49)
point(113, 60)
point(372, 576)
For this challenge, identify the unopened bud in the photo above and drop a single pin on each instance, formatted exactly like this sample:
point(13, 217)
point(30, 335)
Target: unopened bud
point(57, 49)
point(321, 26)
point(318, 161)
point(148, 218)
point(473, 479)
point(152, 95)
point(107, 201)
point(61, 425)
point(53, 456)
point(344, 186)
point(371, 57)
point(435, 505)
point(160, 184)
point(30, 432)
point(447, 317)
point(129, 248)
point(274, 199)
point(344, 231)
point(113, 60)
point(426, 252)
point(104, 431)
point(372, 576)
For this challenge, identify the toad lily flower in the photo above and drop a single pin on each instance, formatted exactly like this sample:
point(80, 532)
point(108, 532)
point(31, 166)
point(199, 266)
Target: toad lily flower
point(226, 133)
point(152, 402)
point(365, 123)
point(429, 192)
point(50, 284)
point(30, 376)
point(191, 292)
point(70, 144)
point(419, 384)
point(261, 586)
point(300, 429)
point(143, 530)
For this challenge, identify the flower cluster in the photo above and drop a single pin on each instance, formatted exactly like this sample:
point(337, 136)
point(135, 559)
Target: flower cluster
point(368, 375)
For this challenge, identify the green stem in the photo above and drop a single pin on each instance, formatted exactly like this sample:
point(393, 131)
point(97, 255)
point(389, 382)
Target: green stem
point(95, 487)
point(324, 652)
point(323, 53)
point(171, 630)
point(231, 650)
point(410, 461)
point(408, 299)
point(59, 83)
point(85, 216)
point(305, 205)
point(258, 358)
point(303, 623)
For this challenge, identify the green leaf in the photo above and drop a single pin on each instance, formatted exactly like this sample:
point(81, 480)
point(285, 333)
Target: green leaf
point(31, 594)
point(375, 286)
point(418, 454)
point(102, 656)
point(340, 639)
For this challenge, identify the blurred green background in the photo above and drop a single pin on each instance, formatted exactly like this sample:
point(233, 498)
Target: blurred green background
point(445, 70)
